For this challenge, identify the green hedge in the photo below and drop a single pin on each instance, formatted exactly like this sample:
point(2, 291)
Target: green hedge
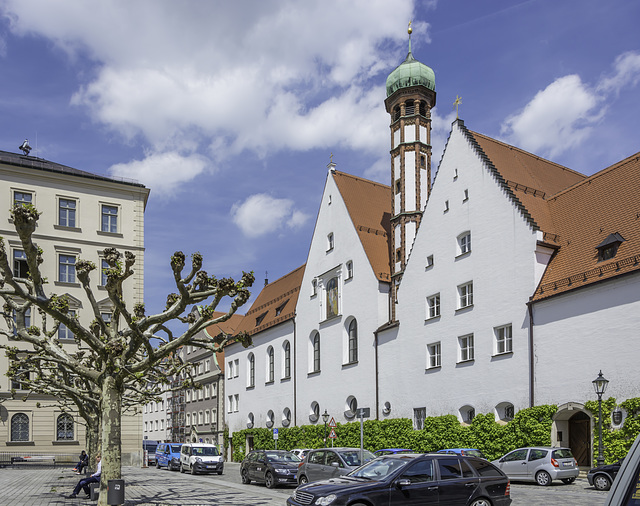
point(616, 443)
point(530, 427)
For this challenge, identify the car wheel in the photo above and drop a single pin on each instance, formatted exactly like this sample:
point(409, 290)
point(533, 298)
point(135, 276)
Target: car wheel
point(193, 469)
point(245, 477)
point(219, 473)
point(481, 502)
point(602, 482)
point(543, 478)
point(269, 481)
point(181, 468)
point(568, 481)
point(303, 480)
point(157, 465)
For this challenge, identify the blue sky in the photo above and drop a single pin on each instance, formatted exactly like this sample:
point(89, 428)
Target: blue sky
point(229, 111)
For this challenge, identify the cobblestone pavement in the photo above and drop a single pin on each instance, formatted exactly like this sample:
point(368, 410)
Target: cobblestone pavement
point(154, 487)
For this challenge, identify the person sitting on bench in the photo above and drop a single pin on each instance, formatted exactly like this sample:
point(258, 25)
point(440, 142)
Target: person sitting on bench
point(84, 482)
point(84, 462)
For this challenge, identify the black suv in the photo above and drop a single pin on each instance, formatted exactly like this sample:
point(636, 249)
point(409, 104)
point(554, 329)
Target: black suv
point(273, 467)
point(404, 479)
point(602, 477)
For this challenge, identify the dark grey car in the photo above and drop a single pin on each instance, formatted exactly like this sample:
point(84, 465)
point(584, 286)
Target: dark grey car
point(328, 463)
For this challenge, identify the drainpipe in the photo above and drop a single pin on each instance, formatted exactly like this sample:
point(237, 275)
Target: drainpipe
point(375, 347)
point(531, 357)
point(295, 376)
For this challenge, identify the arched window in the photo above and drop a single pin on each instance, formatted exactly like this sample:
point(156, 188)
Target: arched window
point(423, 109)
point(64, 426)
point(396, 113)
point(19, 427)
point(332, 298)
point(287, 359)
point(270, 365)
point(353, 341)
point(251, 379)
point(270, 416)
point(316, 352)
point(314, 412)
point(286, 417)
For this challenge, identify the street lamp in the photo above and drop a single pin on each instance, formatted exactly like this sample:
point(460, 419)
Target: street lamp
point(600, 385)
point(325, 419)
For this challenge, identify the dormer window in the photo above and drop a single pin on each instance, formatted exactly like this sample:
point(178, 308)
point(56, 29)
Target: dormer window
point(608, 248)
point(281, 307)
point(260, 318)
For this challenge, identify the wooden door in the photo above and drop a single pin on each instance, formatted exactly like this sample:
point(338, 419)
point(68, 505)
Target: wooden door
point(580, 438)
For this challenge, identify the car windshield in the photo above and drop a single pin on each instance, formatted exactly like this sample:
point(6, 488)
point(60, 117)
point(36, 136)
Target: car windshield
point(282, 457)
point(208, 451)
point(150, 448)
point(474, 453)
point(380, 468)
point(352, 457)
point(175, 448)
point(562, 453)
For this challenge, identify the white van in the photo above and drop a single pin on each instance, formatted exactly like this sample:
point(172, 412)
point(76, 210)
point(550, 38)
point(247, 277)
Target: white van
point(200, 458)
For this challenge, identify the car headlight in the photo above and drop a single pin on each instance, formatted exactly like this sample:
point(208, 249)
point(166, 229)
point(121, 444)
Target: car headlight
point(174, 459)
point(280, 471)
point(198, 460)
point(326, 500)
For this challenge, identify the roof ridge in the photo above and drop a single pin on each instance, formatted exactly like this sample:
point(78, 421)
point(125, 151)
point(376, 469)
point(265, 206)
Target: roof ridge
point(376, 183)
point(592, 177)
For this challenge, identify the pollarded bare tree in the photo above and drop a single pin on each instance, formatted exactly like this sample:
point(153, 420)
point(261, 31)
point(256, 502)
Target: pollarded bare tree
point(125, 349)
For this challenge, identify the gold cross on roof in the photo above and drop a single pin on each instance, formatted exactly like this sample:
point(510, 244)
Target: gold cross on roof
point(457, 103)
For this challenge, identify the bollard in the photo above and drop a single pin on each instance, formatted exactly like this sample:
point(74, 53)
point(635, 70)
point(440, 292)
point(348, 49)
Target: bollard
point(115, 492)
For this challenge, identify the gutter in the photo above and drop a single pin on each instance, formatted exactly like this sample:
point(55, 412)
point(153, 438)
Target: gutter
point(531, 357)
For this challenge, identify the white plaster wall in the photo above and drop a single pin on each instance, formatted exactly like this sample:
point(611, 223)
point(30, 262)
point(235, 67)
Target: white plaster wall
point(410, 181)
point(409, 133)
point(362, 297)
point(501, 266)
point(263, 396)
point(396, 138)
point(582, 332)
point(423, 134)
point(410, 236)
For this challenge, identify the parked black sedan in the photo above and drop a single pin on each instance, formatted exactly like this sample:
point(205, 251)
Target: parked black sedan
point(271, 467)
point(412, 479)
point(602, 477)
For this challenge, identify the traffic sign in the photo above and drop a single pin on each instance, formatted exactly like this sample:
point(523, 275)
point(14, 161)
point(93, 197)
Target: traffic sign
point(275, 433)
point(364, 412)
point(332, 434)
point(332, 423)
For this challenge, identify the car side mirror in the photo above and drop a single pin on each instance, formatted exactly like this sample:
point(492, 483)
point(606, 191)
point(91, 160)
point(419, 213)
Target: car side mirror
point(403, 483)
point(501, 461)
point(335, 464)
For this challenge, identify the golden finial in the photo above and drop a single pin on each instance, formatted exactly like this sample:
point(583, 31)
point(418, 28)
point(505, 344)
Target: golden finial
point(456, 103)
point(410, 30)
point(331, 158)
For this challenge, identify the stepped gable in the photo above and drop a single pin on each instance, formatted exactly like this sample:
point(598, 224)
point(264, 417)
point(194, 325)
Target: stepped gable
point(275, 304)
point(369, 206)
point(586, 215)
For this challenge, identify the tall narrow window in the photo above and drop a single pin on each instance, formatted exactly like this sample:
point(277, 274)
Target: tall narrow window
point(251, 379)
point(270, 365)
point(465, 295)
point(332, 297)
point(19, 377)
point(316, 353)
point(64, 426)
point(104, 267)
point(349, 269)
point(353, 341)
point(67, 213)
point(419, 415)
point(503, 339)
point(433, 306)
point(433, 358)
point(287, 359)
point(20, 266)
point(330, 242)
point(109, 219)
point(63, 330)
point(466, 347)
point(464, 243)
point(67, 269)
point(19, 427)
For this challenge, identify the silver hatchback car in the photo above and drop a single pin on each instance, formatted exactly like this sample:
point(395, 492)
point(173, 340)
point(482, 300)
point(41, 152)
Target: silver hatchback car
point(541, 464)
point(328, 463)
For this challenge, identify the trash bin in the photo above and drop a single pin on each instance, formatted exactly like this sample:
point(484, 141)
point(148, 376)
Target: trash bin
point(115, 492)
point(94, 491)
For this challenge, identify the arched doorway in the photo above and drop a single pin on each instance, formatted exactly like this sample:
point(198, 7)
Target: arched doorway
point(572, 429)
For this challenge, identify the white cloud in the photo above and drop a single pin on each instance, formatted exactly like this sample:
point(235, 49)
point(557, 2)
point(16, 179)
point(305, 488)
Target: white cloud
point(562, 116)
point(261, 214)
point(558, 118)
point(162, 172)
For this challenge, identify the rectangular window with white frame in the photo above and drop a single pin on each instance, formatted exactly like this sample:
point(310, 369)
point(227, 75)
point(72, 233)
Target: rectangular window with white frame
point(464, 243)
point(419, 416)
point(109, 219)
point(20, 266)
point(21, 198)
point(433, 306)
point(230, 369)
point(503, 339)
point(465, 295)
point(236, 405)
point(67, 268)
point(433, 355)
point(104, 267)
point(63, 331)
point(466, 348)
point(236, 367)
point(230, 404)
point(67, 212)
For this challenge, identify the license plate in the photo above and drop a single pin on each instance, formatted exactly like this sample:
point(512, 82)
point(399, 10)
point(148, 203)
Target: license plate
point(568, 464)
point(211, 467)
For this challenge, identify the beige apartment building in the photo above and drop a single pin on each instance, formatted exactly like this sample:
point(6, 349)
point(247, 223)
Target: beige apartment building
point(82, 214)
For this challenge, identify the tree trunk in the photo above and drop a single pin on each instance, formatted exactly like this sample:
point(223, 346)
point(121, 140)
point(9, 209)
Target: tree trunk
point(93, 442)
point(111, 438)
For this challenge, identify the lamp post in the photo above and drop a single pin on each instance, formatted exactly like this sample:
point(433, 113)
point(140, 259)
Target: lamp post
point(325, 419)
point(600, 385)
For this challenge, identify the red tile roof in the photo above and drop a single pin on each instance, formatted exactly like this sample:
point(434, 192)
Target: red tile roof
point(369, 206)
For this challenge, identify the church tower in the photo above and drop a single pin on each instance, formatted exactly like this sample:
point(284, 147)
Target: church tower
point(411, 93)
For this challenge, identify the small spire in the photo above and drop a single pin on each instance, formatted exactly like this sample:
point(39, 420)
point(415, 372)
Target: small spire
point(456, 104)
point(331, 165)
point(266, 278)
point(410, 31)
